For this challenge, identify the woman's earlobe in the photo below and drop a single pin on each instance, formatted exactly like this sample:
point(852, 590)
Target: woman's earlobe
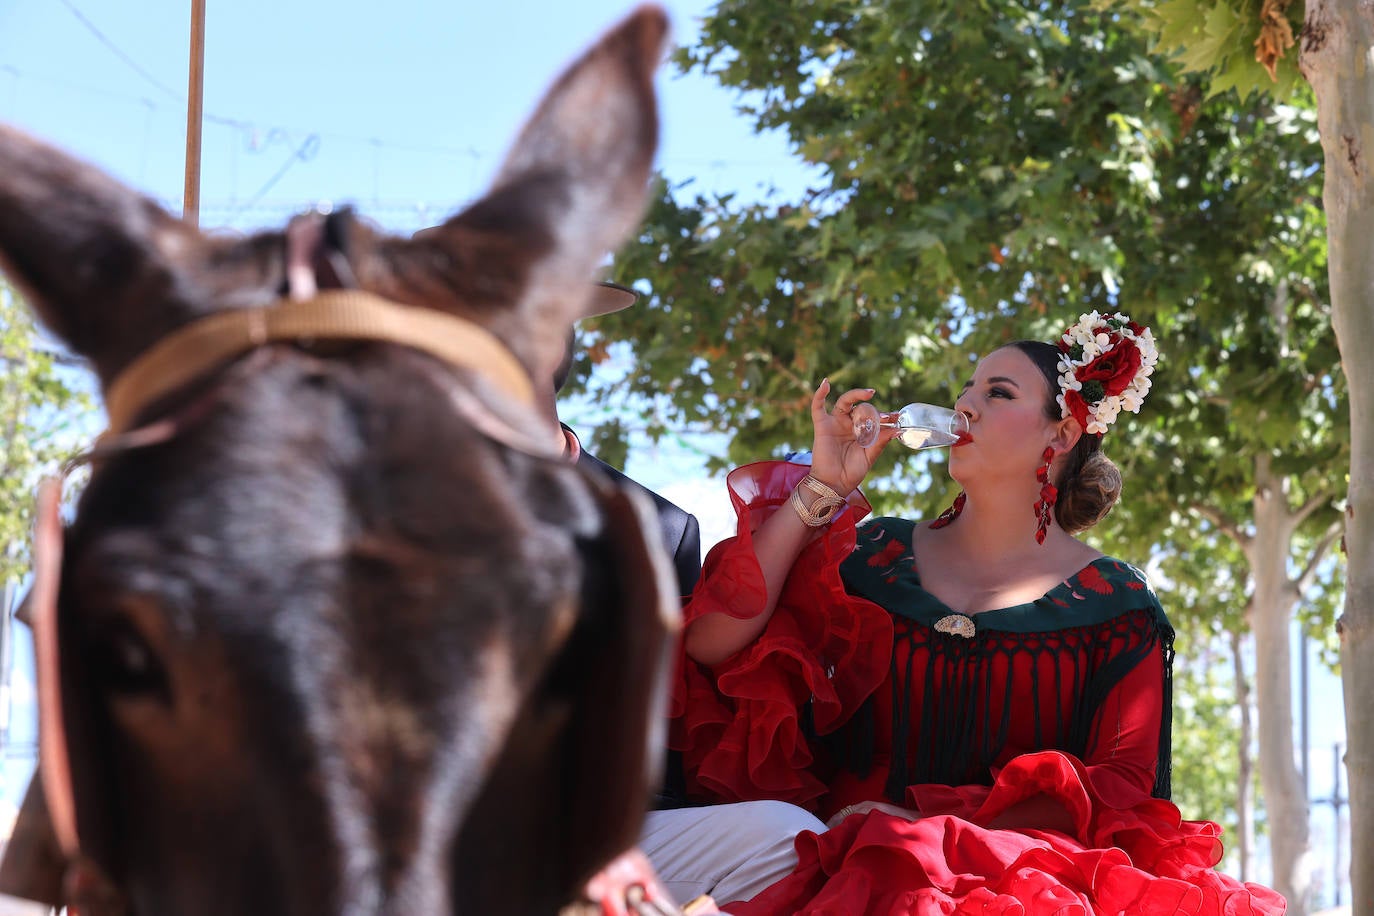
point(1067, 436)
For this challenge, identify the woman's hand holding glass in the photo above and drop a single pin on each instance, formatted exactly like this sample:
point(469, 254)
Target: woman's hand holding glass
point(837, 459)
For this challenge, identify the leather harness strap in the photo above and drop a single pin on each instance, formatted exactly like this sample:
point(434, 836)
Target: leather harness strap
point(195, 350)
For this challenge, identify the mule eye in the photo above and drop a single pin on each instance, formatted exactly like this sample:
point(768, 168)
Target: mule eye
point(124, 662)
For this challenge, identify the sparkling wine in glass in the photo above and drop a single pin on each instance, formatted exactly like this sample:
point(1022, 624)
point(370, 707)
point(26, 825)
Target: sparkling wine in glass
point(921, 425)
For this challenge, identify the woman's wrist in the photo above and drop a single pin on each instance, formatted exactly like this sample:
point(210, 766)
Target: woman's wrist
point(833, 478)
point(815, 502)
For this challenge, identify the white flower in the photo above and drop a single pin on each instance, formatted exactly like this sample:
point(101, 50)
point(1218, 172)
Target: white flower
point(1090, 342)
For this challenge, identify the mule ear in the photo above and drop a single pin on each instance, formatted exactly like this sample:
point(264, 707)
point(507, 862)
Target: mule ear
point(96, 259)
point(576, 770)
point(615, 744)
point(573, 186)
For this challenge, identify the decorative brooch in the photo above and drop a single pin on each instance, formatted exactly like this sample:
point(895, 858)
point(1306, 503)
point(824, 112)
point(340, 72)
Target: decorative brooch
point(956, 625)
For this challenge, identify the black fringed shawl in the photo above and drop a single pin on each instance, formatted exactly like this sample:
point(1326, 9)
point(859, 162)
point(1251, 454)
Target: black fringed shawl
point(1106, 614)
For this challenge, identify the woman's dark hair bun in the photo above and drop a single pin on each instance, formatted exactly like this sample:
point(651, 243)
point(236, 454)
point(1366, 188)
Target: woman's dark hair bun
point(1088, 491)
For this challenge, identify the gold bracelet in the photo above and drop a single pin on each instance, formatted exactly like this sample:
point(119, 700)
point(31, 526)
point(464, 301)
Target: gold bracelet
point(822, 508)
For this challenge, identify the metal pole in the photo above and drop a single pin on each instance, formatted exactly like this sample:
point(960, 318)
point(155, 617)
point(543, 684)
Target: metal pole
point(190, 209)
point(1337, 803)
point(6, 662)
point(1303, 704)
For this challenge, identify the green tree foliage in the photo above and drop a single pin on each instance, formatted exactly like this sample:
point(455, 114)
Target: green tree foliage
point(42, 412)
point(1206, 736)
point(981, 160)
point(1211, 747)
point(1245, 45)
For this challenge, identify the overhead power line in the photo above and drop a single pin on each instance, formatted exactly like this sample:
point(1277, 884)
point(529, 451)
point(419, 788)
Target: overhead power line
point(255, 130)
point(119, 52)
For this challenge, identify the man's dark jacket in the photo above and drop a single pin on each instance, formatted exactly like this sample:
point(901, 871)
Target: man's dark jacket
point(682, 539)
point(681, 533)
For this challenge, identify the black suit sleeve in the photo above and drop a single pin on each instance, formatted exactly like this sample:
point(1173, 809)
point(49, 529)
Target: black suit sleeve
point(682, 539)
point(687, 557)
point(680, 530)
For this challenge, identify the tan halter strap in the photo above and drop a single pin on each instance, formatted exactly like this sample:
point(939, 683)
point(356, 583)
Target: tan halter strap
point(193, 351)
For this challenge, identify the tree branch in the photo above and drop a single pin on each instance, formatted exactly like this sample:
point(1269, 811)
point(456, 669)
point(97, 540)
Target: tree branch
point(1319, 552)
point(1224, 523)
point(1314, 502)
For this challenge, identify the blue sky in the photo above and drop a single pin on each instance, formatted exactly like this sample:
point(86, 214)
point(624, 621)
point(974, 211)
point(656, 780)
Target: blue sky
point(403, 108)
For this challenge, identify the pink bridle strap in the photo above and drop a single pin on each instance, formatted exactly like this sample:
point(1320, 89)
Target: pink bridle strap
point(54, 760)
point(39, 610)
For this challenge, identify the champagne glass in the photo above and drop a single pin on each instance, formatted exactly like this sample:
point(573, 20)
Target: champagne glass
point(921, 425)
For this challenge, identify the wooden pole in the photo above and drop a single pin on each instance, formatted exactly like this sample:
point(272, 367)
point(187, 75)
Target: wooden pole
point(190, 209)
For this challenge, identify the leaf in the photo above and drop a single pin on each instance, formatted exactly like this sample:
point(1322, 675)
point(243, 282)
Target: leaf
point(1222, 36)
point(47, 417)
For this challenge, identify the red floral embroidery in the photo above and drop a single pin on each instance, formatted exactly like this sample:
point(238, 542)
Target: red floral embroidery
point(1090, 578)
point(888, 555)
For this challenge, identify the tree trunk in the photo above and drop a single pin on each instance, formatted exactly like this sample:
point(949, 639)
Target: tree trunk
point(1245, 799)
point(1337, 41)
point(1276, 594)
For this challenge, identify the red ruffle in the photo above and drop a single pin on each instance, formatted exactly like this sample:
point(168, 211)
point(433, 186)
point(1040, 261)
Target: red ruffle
point(1144, 860)
point(737, 724)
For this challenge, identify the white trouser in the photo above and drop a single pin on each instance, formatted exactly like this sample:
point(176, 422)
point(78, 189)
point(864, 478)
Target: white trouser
point(728, 851)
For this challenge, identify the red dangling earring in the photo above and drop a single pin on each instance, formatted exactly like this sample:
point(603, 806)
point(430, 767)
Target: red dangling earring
point(1044, 506)
point(950, 514)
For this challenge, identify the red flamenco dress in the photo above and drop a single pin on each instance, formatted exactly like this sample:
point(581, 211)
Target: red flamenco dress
point(865, 687)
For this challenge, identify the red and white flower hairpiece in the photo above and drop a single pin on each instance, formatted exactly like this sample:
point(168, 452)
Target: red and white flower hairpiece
point(1104, 368)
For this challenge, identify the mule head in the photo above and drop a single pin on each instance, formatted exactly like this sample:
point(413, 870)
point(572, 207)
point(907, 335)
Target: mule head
point(332, 648)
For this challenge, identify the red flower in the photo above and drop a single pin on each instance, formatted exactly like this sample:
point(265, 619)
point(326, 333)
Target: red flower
point(1078, 408)
point(1114, 369)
